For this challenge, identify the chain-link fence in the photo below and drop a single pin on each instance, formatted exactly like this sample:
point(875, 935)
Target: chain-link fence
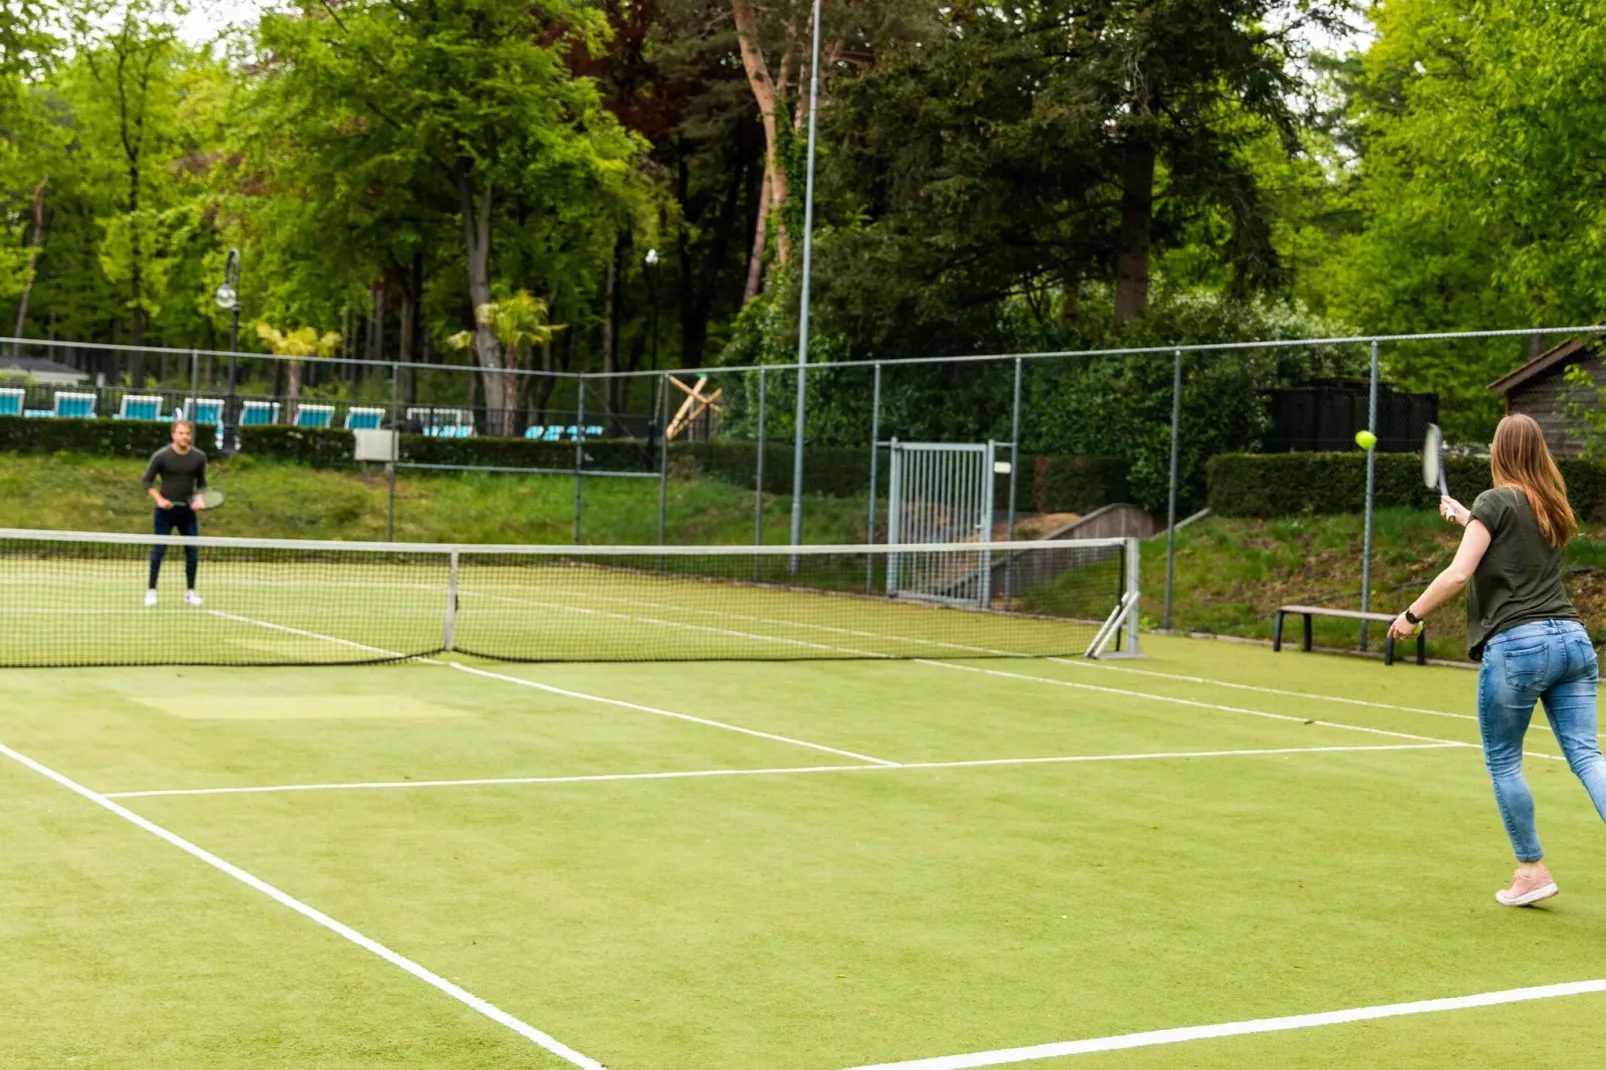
point(1072, 431)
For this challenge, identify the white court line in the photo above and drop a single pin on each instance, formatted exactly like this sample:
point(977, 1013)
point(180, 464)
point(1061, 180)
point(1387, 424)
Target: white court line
point(434, 980)
point(1006, 1056)
point(522, 682)
point(703, 773)
point(1052, 682)
point(572, 694)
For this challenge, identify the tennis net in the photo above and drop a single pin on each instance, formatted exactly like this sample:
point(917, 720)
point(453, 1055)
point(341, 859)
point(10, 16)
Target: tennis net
point(77, 599)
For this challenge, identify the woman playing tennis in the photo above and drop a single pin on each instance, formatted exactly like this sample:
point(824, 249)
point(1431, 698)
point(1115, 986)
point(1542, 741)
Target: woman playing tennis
point(1524, 630)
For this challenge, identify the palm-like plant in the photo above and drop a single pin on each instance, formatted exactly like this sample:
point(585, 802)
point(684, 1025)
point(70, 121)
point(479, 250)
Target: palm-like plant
point(299, 343)
point(518, 322)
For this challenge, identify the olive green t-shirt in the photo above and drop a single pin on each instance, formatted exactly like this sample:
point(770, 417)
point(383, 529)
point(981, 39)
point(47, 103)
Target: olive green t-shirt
point(1519, 579)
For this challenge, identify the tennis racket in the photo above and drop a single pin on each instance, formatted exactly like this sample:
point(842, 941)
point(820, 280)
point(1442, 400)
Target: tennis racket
point(208, 498)
point(1433, 462)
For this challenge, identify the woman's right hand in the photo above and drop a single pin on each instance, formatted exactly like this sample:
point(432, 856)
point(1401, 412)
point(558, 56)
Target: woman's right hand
point(1454, 511)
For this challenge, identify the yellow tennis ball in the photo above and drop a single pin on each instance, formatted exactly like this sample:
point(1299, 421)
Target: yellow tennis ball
point(1365, 439)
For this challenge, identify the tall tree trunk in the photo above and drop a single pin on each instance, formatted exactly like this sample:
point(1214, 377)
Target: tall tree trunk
point(1137, 217)
point(411, 299)
point(500, 389)
point(34, 249)
point(376, 322)
point(294, 391)
point(769, 93)
point(755, 260)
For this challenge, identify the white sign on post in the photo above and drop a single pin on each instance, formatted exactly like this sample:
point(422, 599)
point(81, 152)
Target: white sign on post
point(376, 446)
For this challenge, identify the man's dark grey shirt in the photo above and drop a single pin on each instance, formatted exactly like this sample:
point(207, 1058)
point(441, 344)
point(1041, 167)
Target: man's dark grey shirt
point(182, 474)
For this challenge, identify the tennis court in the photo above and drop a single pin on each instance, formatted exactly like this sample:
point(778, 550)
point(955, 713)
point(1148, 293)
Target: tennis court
point(797, 865)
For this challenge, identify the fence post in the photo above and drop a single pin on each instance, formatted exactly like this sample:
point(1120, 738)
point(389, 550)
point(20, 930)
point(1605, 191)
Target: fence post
point(579, 451)
point(192, 410)
point(1171, 502)
point(1014, 478)
point(1371, 470)
point(758, 478)
point(875, 451)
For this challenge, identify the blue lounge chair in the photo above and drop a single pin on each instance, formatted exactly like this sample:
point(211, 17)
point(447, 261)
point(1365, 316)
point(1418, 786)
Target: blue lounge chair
point(11, 403)
point(208, 412)
point(317, 416)
point(136, 407)
point(364, 419)
point(73, 405)
point(259, 413)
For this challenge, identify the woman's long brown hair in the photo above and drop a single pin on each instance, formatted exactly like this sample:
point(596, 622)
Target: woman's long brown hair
point(1519, 458)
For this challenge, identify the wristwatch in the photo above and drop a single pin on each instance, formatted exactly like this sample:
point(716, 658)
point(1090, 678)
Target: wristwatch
point(1412, 617)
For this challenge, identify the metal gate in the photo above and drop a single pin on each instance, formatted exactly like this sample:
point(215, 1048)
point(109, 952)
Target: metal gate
point(941, 493)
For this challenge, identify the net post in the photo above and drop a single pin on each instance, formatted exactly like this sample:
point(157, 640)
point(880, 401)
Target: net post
point(663, 459)
point(1134, 586)
point(1171, 495)
point(875, 447)
point(1014, 477)
point(579, 449)
point(450, 636)
point(989, 481)
point(758, 477)
point(390, 466)
point(1371, 471)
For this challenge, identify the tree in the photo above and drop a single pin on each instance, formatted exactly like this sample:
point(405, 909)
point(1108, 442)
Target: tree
point(472, 99)
point(518, 323)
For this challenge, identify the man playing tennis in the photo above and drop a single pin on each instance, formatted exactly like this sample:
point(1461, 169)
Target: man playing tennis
point(181, 468)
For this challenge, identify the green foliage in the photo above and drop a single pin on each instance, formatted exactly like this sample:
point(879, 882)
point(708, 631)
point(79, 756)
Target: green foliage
point(107, 438)
point(1292, 484)
point(1584, 406)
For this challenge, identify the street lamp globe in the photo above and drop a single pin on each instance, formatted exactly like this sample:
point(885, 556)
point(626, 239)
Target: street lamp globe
point(226, 297)
point(652, 257)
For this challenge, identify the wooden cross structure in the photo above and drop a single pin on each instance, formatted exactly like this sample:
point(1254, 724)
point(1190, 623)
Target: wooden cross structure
point(695, 404)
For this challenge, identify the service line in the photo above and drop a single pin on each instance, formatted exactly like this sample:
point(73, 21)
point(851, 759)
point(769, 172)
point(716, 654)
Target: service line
point(694, 774)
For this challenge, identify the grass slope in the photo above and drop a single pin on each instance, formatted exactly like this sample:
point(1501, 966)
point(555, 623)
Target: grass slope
point(277, 500)
point(1231, 574)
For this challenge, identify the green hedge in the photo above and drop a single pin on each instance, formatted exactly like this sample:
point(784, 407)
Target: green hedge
point(107, 438)
point(1285, 484)
point(1072, 484)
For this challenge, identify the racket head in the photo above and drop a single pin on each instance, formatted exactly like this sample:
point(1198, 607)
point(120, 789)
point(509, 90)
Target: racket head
point(210, 498)
point(1433, 460)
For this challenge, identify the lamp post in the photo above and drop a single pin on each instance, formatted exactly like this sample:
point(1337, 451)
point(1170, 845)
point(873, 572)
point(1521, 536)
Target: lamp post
point(652, 286)
point(228, 298)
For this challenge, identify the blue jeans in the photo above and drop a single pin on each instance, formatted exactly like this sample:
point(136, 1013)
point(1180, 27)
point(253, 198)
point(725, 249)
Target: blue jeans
point(1550, 661)
point(182, 518)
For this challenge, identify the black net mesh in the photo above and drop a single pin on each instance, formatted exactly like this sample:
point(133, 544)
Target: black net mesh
point(76, 599)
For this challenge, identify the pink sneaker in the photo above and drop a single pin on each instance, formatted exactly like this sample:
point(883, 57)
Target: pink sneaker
point(1526, 891)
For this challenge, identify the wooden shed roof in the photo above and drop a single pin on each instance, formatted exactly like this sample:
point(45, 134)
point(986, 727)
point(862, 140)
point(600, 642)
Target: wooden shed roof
point(1557, 356)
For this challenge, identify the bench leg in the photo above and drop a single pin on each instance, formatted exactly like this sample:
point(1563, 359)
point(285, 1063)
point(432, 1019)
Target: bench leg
point(1388, 651)
point(1422, 647)
point(1307, 633)
point(1277, 633)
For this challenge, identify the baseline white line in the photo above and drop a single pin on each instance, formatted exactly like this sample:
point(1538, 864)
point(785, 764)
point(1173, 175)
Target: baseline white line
point(522, 682)
point(434, 980)
point(1006, 1056)
point(377, 785)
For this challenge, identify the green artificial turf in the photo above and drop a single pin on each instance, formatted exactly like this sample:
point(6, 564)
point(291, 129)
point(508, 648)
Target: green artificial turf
point(790, 920)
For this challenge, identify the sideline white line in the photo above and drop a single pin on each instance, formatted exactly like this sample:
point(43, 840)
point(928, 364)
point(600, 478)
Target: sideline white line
point(1006, 1056)
point(376, 785)
point(307, 634)
point(1189, 702)
point(434, 980)
point(521, 681)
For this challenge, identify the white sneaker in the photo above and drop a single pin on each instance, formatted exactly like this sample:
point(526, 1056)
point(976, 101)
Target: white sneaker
point(150, 598)
point(192, 599)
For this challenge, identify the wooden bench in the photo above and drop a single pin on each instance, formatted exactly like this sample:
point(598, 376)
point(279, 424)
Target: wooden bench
point(1346, 614)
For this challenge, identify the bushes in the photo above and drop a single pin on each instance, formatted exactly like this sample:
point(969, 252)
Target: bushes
point(1072, 484)
point(1284, 484)
point(106, 438)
